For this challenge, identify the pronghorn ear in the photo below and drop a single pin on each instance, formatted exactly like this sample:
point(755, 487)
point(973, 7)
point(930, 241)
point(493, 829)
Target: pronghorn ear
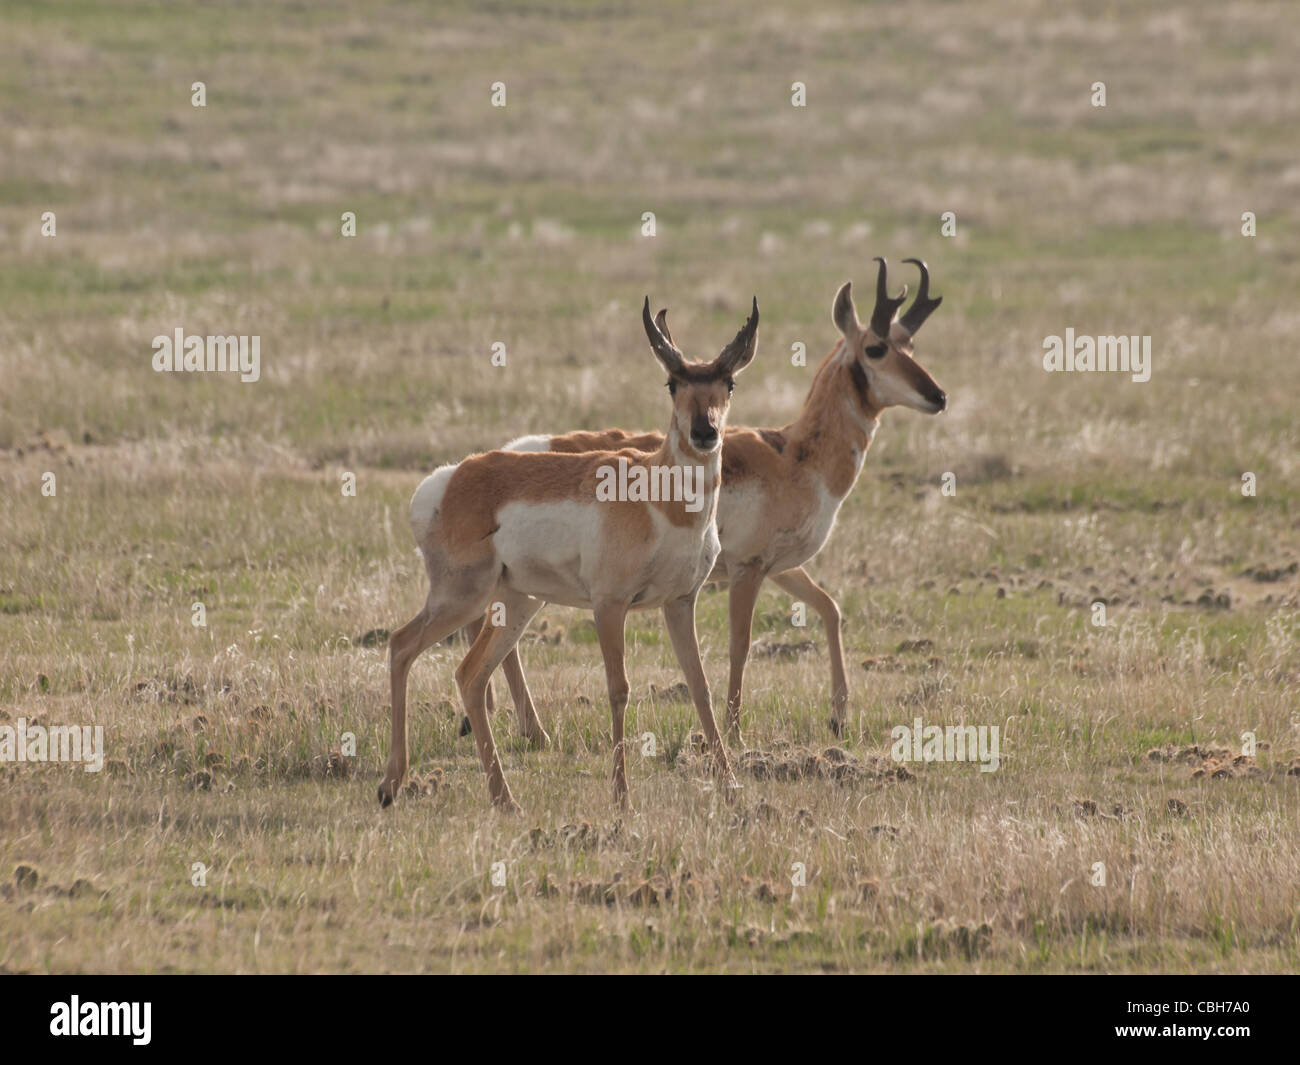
point(661, 320)
point(669, 357)
point(844, 314)
point(740, 352)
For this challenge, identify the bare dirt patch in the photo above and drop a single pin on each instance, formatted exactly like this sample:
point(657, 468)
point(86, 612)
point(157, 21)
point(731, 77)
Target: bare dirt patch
point(829, 763)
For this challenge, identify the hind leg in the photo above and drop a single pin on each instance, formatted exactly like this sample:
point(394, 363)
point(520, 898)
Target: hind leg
point(470, 634)
point(493, 644)
point(801, 586)
point(433, 623)
point(530, 725)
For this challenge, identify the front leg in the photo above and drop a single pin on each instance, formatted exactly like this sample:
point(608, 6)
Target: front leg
point(743, 595)
point(679, 615)
point(611, 615)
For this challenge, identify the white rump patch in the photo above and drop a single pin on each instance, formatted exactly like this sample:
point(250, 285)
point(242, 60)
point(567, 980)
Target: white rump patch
point(536, 442)
point(427, 500)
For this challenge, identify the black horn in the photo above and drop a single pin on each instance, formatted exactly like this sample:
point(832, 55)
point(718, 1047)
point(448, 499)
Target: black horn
point(672, 359)
point(736, 355)
point(923, 306)
point(882, 315)
point(661, 320)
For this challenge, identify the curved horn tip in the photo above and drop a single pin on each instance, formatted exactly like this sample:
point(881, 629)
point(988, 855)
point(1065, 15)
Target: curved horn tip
point(652, 331)
point(924, 292)
point(925, 304)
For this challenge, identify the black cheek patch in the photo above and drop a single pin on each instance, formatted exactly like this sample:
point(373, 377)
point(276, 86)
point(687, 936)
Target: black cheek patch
point(859, 378)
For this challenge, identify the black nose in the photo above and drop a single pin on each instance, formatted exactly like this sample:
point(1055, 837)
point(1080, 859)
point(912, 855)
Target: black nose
point(705, 437)
point(941, 401)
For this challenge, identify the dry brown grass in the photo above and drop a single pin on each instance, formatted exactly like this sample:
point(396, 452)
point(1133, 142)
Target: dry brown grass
point(225, 742)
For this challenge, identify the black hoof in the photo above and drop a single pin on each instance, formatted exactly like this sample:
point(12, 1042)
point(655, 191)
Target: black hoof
point(385, 800)
point(837, 728)
point(466, 729)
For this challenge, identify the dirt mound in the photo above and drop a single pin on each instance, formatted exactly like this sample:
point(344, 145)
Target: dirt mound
point(677, 693)
point(179, 688)
point(655, 890)
point(1272, 574)
point(831, 763)
point(776, 649)
point(1109, 811)
point(1216, 763)
point(583, 836)
point(422, 785)
point(894, 664)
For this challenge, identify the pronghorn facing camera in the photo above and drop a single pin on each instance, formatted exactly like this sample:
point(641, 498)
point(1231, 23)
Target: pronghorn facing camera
point(782, 488)
point(504, 532)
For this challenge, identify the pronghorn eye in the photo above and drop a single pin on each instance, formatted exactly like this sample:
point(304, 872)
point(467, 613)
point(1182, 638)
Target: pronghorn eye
point(672, 387)
point(877, 351)
point(731, 386)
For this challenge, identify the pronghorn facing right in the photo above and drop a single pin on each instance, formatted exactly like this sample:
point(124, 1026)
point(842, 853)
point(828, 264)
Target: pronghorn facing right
point(516, 529)
point(782, 488)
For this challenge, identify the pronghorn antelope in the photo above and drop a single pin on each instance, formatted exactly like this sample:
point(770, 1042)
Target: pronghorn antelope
point(513, 530)
point(782, 488)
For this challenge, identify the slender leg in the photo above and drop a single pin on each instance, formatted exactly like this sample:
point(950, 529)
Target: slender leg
point(530, 725)
point(679, 614)
point(610, 619)
point(470, 633)
point(430, 625)
point(491, 646)
point(799, 584)
point(743, 595)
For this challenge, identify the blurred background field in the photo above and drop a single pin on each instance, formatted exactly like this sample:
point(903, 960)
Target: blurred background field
point(522, 225)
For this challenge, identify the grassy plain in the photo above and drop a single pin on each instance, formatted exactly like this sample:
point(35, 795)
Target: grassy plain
point(523, 225)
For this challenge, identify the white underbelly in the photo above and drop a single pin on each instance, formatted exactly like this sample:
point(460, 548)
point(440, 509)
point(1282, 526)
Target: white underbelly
point(558, 552)
point(541, 547)
point(747, 532)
